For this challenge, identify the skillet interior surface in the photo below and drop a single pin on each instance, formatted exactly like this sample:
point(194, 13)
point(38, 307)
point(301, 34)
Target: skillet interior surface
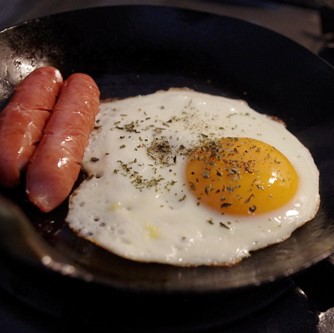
point(131, 50)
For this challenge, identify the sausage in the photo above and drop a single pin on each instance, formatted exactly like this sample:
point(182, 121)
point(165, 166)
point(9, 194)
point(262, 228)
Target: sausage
point(55, 164)
point(23, 119)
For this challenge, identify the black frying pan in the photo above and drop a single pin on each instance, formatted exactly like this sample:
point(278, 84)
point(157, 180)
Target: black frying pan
point(132, 50)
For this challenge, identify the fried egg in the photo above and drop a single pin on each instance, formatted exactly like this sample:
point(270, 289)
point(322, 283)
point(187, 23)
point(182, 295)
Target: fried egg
point(187, 178)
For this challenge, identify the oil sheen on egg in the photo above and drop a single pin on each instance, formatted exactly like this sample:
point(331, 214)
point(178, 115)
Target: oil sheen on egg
point(187, 178)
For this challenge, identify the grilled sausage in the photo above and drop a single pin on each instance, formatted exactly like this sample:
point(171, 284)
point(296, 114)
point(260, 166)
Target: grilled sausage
point(55, 164)
point(23, 119)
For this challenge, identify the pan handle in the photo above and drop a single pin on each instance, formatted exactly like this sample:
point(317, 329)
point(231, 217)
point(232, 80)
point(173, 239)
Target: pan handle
point(20, 241)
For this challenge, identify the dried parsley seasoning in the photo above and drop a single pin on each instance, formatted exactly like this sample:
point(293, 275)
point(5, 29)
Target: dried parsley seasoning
point(183, 198)
point(210, 221)
point(161, 151)
point(141, 183)
point(225, 205)
point(222, 224)
point(131, 127)
point(252, 209)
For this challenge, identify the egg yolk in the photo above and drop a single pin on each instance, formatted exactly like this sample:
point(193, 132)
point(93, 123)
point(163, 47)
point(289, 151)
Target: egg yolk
point(240, 176)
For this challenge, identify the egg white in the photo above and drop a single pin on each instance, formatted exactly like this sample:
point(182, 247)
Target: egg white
point(136, 202)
